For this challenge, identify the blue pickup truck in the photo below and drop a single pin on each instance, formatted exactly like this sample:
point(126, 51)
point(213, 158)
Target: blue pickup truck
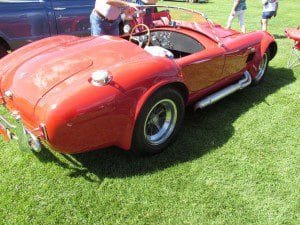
point(24, 21)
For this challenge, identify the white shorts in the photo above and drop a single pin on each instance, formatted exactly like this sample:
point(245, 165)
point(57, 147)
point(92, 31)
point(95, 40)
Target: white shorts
point(240, 15)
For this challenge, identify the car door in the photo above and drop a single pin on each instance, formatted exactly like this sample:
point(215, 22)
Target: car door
point(238, 52)
point(202, 69)
point(23, 22)
point(72, 16)
point(236, 61)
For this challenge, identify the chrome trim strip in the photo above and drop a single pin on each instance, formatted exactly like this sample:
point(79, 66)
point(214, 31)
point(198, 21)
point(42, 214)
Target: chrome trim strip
point(201, 61)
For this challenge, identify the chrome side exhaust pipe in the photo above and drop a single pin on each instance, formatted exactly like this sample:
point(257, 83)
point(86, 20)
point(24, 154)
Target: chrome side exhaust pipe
point(246, 81)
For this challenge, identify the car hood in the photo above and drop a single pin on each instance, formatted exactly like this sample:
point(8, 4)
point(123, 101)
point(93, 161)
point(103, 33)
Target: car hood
point(33, 74)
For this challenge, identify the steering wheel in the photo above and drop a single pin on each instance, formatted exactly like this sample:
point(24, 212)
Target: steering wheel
point(136, 38)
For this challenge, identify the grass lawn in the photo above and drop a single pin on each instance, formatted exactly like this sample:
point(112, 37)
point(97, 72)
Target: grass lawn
point(236, 162)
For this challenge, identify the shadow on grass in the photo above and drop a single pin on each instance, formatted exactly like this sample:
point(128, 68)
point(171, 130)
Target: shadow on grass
point(201, 133)
point(279, 36)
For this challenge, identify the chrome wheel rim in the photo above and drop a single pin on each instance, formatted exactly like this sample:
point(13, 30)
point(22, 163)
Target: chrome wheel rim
point(160, 122)
point(262, 67)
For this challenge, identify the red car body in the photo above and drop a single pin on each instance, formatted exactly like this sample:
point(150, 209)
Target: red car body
point(48, 83)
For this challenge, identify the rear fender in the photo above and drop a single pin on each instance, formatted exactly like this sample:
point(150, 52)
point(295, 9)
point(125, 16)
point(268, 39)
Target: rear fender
point(119, 114)
point(125, 140)
point(152, 90)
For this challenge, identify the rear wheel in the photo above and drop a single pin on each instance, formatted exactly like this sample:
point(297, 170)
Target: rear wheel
point(262, 68)
point(3, 51)
point(158, 122)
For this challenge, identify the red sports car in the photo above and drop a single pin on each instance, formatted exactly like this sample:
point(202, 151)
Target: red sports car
point(78, 94)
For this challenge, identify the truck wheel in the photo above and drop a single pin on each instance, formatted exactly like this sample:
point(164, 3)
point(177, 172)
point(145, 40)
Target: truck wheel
point(3, 51)
point(158, 122)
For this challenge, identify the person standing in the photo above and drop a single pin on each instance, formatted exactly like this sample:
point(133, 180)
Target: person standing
point(238, 10)
point(106, 16)
point(270, 8)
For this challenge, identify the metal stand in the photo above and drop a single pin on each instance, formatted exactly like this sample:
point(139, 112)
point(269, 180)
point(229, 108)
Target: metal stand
point(294, 59)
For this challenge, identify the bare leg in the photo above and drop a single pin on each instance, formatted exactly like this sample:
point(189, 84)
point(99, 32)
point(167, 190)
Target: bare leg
point(241, 17)
point(229, 22)
point(244, 29)
point(264, 24)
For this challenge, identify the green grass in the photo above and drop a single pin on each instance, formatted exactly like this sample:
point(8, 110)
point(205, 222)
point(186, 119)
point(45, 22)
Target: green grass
point(236, 162)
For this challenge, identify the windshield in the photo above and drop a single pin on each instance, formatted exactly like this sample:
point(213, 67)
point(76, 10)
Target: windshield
point(182, 14)
point(157, 16)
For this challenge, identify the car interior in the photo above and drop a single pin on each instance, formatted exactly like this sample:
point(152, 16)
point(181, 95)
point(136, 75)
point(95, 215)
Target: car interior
point(171, 44)
point(148, 32)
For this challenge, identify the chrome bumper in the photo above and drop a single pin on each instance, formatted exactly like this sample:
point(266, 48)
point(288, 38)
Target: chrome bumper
point(15, 130)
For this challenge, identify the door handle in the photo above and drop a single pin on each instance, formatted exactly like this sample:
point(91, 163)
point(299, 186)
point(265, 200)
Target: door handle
point(59, 8)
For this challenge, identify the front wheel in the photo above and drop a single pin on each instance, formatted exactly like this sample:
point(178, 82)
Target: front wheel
point(262, 68)
point(158, 122)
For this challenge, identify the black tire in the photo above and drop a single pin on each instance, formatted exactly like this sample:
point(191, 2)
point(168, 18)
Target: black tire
point(262, 71)
point(164, 108)
point(3, 51)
